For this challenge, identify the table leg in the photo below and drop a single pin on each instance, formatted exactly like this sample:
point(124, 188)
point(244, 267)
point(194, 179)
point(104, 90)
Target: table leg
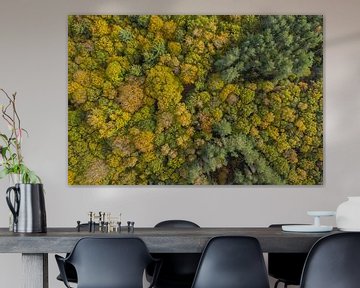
point(35, 270)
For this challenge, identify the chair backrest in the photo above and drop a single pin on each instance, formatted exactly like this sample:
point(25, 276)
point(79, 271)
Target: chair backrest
point(333, 262)
point(176, 224)
point(110, 262)
point(178, 269)
point(232, 262)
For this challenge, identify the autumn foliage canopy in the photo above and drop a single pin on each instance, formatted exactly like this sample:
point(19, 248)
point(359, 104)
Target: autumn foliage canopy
point(195, 100)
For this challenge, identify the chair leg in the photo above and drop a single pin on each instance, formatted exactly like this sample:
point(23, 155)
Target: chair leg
point(278, 282)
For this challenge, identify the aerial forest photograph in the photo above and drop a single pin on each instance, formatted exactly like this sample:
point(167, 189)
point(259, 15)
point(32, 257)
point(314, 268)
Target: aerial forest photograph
point(195, 100)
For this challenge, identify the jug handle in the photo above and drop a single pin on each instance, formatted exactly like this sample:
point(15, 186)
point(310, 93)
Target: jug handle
point(13, 208)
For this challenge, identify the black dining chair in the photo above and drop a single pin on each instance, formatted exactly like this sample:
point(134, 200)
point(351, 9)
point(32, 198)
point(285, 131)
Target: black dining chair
point(70, 271)
point(286, 267)
point(178, 269)
point(333, 262)
point(232, 262)
point(108, 263)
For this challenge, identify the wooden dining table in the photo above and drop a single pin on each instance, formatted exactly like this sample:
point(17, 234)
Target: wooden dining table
point(35, 247)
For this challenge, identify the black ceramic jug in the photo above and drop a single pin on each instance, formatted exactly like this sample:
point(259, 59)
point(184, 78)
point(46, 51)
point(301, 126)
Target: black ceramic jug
point(28, 207)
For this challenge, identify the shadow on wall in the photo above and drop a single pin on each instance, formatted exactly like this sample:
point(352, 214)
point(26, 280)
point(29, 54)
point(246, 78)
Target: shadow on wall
point(345, 39)
point(129, 7)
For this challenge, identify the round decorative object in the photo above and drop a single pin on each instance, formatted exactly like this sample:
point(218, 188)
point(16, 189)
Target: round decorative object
point(316, 227)
point(348, 215)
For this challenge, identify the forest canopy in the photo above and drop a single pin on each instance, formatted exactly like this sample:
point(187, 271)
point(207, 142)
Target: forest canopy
point(189, 99)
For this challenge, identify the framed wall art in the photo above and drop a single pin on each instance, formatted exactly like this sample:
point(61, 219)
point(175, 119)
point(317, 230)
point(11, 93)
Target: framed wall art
point(195, 99)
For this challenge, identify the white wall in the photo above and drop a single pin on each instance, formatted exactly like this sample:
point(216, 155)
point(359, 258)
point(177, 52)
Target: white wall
point(33, 62)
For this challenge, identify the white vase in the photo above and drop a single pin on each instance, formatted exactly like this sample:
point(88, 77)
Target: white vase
point(348, 215)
